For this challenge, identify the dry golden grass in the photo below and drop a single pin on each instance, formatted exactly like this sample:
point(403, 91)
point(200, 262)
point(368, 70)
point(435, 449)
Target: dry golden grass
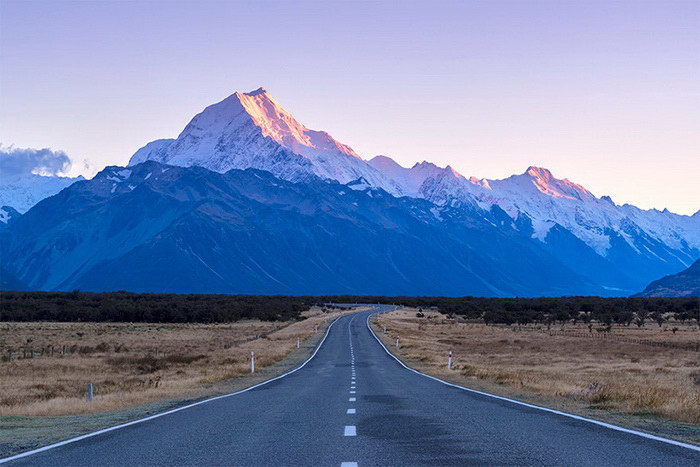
point(603, 373)
point(133, 364)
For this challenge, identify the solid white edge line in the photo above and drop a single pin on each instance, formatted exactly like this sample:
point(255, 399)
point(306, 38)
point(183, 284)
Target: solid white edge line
point(158, 415)
point(533, 406)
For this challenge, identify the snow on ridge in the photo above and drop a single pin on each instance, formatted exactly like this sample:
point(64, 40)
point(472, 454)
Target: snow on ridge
point(546, 200)
point(7, 214)
point(124, 173)
point(282, 127)
point(24, 191)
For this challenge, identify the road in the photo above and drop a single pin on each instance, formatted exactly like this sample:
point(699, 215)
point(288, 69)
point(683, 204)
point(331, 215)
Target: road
point(354, 403)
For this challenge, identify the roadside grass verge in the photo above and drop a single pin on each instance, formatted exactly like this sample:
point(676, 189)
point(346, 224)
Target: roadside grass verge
point(654, 389)
point(43, 399)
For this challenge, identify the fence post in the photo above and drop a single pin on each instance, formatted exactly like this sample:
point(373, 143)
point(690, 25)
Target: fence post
point(252, 362)
point(89, 392)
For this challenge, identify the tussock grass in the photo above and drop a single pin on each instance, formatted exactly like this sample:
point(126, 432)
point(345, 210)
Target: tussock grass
point(606, 374)
point(135, 363)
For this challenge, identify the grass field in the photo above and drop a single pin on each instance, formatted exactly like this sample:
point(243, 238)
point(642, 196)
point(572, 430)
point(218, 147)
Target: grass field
point(46, 366)
point(595, 374)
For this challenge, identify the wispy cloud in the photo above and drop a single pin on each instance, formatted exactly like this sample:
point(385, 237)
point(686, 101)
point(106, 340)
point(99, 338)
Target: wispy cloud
point(21, 161)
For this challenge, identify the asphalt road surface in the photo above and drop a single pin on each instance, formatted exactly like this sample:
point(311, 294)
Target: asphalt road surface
point(354, 403)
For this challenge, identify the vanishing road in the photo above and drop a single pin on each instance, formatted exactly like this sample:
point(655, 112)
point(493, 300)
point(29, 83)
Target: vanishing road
point(353, 403)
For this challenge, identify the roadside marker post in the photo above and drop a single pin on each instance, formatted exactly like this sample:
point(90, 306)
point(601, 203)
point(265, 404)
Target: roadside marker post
point(89, 392)
point(449, 361)
point(397, 342)
point(297, 342)
point(252, 362)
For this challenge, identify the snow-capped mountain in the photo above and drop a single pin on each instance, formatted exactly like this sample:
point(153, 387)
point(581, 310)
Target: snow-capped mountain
point(566, 216)
point(251, 130)
point(628, 245)
point(24, 191)
point(458, 235)
point(546, 201)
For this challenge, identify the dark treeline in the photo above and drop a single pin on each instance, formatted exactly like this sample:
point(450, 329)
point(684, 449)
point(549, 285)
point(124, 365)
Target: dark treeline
point(155, 308)
point(622, 310)
point(173, 308)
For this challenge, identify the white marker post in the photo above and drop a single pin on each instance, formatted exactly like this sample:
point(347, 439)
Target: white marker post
point(449, 361)
point(397, 342)
point(384, 329)
point(252, 362)
point(297, 342)
point(89, 392)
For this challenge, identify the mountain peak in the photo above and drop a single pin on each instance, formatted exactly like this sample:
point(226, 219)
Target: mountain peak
point(252, 130)
point(539, 172)
point(545, 182)
point(257, 92)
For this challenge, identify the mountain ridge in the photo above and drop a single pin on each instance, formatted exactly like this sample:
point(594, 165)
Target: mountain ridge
point(167, 228)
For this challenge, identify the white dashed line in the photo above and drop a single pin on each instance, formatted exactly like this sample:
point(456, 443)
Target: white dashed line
point(348, 464)
point(350, 430)
point(350, 411)
point(353, 392)
point(352, 399)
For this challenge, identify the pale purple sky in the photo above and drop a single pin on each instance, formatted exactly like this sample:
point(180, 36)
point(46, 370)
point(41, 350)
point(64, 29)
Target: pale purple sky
point(604, 93)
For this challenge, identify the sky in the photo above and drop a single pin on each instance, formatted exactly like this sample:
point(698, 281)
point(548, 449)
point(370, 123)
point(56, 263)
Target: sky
point(606, 94)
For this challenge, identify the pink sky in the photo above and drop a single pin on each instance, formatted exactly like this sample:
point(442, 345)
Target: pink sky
point(606, 94)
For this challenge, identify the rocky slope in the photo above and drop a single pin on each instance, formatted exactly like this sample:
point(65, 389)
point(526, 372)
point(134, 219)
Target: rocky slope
point(683, 284)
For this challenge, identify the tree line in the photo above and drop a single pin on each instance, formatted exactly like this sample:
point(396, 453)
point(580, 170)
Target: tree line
point(550, 310)
point(154, 308)
point(201, 308)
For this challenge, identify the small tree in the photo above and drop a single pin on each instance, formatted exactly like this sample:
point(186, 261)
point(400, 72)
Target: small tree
point(659, 318)
point(641, 318)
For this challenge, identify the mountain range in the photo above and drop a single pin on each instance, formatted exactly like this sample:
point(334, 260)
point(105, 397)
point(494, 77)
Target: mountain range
point(248, 200)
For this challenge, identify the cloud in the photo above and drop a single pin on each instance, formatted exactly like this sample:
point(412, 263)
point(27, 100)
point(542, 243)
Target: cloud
point(21, 161)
